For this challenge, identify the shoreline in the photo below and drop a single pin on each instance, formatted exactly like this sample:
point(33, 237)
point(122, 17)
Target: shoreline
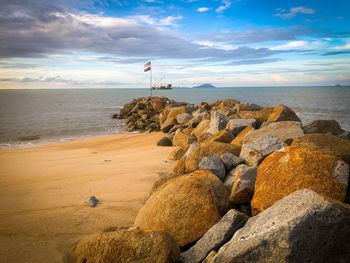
point(44, 188)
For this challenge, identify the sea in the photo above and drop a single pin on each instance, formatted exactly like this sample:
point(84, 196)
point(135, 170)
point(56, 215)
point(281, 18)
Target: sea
point(30, 117)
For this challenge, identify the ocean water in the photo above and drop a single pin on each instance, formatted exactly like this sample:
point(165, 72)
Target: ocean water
point(34, 117)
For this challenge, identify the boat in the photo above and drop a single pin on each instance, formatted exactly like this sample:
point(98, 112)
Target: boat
point(167, 87)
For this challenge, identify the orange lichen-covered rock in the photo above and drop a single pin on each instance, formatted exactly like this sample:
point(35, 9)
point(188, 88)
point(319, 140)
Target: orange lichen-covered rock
point(183, 139)
point(208, 149)
point(126, 246)
point(282, 113)
point(324, 142)
point(186, 206)
point(260, 116)
point(222, 136)
point(284, 172)
point(201, 128)
point(177, 153)
point(239, 138)
point(176, 111)
point(180, 166)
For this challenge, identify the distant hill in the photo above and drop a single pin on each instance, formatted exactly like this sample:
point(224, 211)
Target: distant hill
point(204, 86)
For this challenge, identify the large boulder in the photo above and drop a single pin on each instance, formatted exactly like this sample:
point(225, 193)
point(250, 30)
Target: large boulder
point(186, 206)
point(165, 141)
point(244, 184)
point(235, 126)
point(168, 124)
point(230, 160)
point(216, 236)
point(260, 116)
point(284, 172)
point(183, 139)
point(302, 227)
point(221, 136)
point(184, 118)
point(126, 246)
point(213, 164)
point(323, 126)
point(201, 129)
point(254, 152)
point(282, 113)
point(238, 140)
point(218, 121)
point(208, 149)
point(324, 142)
point(174, 112)
point(286, 131)
point(247, 107)
point(177, 153)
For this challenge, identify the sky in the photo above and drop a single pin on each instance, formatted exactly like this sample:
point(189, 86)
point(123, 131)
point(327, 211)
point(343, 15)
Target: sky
point(228, 43)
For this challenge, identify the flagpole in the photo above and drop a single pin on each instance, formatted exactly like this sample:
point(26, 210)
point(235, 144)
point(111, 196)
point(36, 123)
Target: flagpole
point(150, 81)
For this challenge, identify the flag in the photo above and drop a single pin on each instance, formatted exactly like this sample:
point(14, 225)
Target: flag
point(147, 66)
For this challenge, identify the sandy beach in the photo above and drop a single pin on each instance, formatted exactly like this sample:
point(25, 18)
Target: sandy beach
point(43, 192)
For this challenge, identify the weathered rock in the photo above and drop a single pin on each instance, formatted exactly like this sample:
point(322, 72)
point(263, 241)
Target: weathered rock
point(184, 118)
point(177, 153)
point(92, 201)
point(214, 165)
point(302, 227)
point(345, 135)
point(216, 236)
point(168, 124)
point(282, 173)
point(282, 113)
point(222, 136)
point(188, 130)
point(238, 140)
point(126, 246)
point(260, 116)
point(218, 121)
point(244, 184)
point(174, 112)
point(255, 152)
point(248, 107)
point(186, 206)
point(180, 167)
point(235, 126)
point(323, 126)
point(230, 160)
point(324, 142)
point(183, 139)
point(189, 150)
point(211, 257)
point(228, 111)
point(201, 128)
point(284, 130)
point(197, 119)
point(177, 127)
point(165, 141)
point(208, 149)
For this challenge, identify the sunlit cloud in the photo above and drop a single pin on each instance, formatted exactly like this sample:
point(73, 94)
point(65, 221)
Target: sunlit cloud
point(294, 11)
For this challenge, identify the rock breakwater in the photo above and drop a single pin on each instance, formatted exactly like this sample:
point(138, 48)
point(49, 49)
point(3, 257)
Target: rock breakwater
point(250, 184)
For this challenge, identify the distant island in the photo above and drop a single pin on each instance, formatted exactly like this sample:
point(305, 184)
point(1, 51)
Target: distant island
point(204, 86)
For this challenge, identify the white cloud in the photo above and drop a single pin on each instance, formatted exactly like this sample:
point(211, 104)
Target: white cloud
point(295, 10)
point(226, 4)
point(203, 9)
point(346, 46)
point(278, 78)
point(300, 45)
point(167, 21)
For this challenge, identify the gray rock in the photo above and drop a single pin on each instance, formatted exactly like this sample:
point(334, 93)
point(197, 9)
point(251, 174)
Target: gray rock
point(229, 180)
point(345, 135)
point(197, 119)
point(218, 121)
point(92, 201)
point(213, 164)
point(244, 184)
point(230, 160)
point(165, 141)
point(255, 152)
point(301, 227)
point(323, 126)
point(184, 118)
point(235, 126)
point(341, 172)
point(189, 150)
point(215, 237)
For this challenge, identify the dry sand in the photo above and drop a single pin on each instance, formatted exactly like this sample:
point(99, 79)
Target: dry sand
point(43, 192)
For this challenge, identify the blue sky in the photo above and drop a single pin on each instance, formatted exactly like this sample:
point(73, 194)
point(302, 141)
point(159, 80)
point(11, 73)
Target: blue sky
point(104, 43)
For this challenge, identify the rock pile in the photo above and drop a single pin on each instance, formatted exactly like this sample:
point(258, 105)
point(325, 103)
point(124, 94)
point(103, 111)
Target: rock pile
point(250, 184)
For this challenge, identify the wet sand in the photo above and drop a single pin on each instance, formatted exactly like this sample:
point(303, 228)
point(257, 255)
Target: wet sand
point(43, 192)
